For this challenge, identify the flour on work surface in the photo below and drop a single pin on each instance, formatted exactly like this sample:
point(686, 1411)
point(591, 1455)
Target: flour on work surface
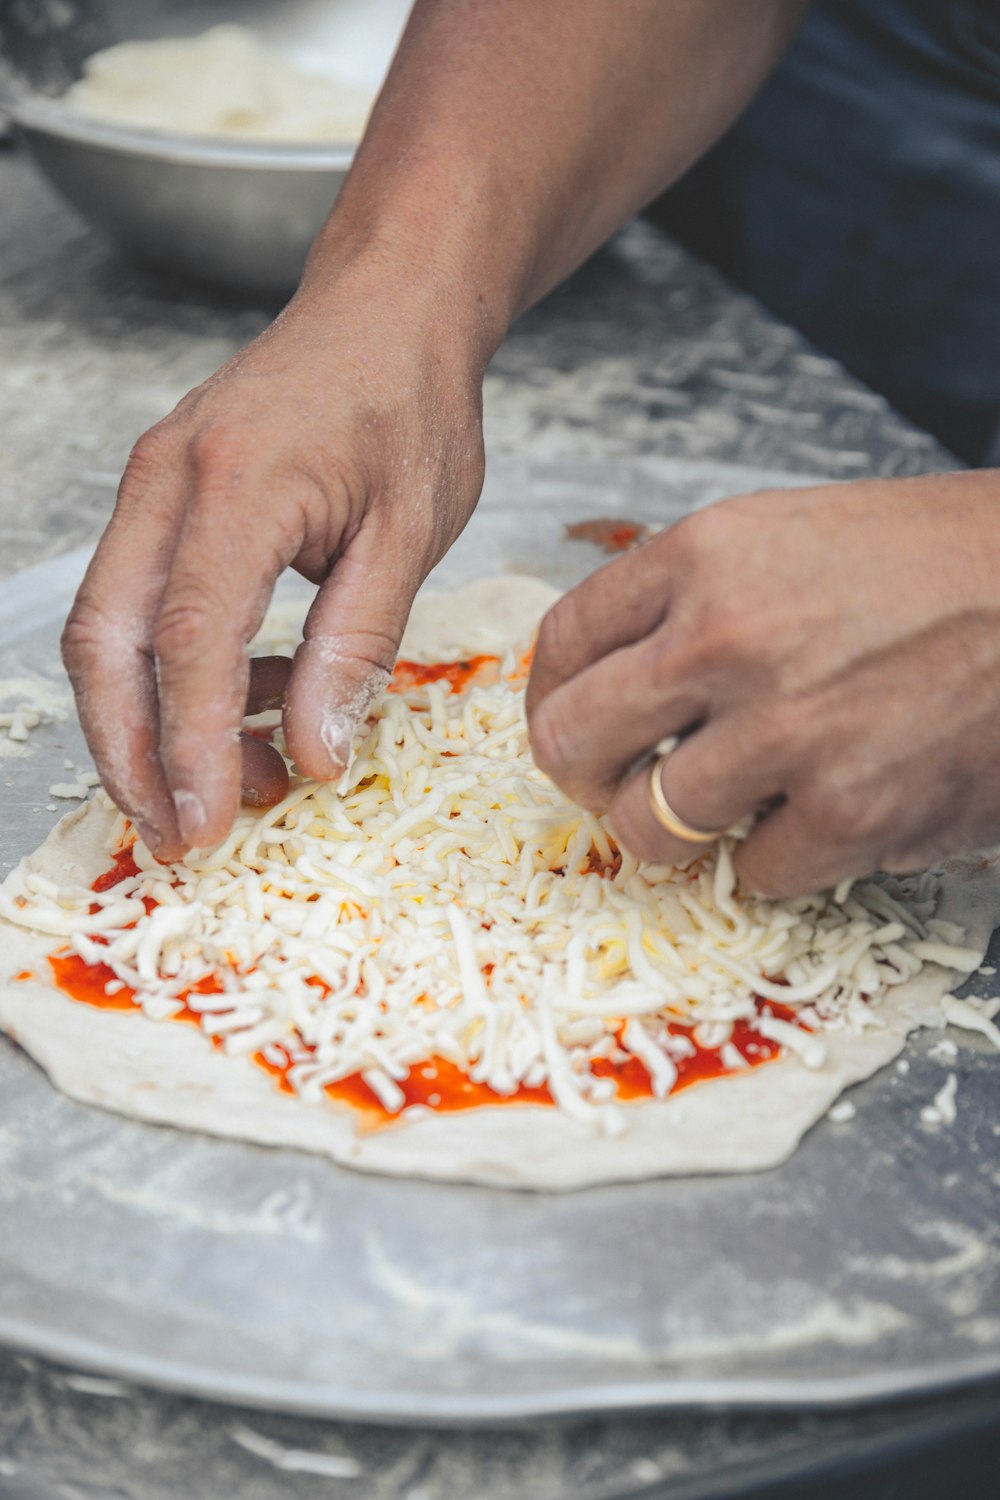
point(26, 703)
point(446, 913)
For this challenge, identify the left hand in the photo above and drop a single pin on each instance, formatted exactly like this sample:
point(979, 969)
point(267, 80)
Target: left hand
point(832, 658)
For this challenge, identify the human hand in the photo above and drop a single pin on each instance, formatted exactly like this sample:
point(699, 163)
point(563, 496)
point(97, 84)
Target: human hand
point(345, 442)
point(832, 658)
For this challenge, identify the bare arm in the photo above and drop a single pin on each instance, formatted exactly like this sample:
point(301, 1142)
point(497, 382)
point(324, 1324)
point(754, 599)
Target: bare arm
point(512, 137)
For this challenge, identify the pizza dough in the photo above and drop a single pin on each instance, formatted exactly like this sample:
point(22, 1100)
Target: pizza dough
point(169, 1074)
point(223, 83)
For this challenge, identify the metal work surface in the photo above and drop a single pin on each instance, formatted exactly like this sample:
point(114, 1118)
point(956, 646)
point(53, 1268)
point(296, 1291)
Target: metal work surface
point(643, 352)
point(868, 1265)
point(64, 1436)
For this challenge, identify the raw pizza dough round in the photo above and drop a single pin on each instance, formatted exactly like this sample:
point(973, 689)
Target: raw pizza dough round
point(169, 1074)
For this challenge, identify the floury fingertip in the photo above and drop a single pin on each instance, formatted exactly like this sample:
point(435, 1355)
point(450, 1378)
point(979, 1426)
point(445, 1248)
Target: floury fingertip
point(190, 815)
point(150, 836)
point(336, 731)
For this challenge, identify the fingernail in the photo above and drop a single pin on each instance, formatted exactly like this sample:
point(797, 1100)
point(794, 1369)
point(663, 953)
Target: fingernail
point(149, 836)
point(190, 815)
point(337, 733)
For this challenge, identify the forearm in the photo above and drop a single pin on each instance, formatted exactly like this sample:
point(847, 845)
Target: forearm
point(513, 137)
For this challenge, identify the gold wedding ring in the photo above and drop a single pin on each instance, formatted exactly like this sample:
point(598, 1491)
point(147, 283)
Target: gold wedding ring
point(664, 813)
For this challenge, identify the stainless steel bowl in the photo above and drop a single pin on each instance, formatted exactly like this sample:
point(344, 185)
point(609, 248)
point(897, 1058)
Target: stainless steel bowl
point(239, 213)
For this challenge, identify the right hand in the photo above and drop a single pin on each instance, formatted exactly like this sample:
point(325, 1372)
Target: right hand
point(829, 655)
point(345, 442)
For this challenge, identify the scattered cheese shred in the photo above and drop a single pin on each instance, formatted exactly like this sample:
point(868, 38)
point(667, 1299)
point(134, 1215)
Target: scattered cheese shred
point(943, 1110)
point(962, 1013)
point(294, 1460)
point(69, 790)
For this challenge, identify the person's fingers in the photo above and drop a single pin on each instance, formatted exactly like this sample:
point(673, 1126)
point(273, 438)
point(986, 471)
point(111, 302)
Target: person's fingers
point(788, 854)
point(221, 578)
point(106, 644)
point(616, 606)
point(351, 637)
point(589, 731)
point(732, 767)
point(263, 773)
point(269, 677)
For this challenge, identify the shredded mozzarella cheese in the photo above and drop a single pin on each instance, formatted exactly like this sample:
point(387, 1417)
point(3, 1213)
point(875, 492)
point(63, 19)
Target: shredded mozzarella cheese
point(447, 901)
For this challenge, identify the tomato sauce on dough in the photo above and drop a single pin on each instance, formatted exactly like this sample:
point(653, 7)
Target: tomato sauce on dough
point(434, 1084)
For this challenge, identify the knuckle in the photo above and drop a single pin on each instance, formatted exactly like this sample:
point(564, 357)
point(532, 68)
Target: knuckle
point(181, 628)
point(152, 446)
point(675, 660)
point(696, 535)
point(705, 639)
point(151, 454)
point(84, 633)
point(717, 637)
point(218, 451)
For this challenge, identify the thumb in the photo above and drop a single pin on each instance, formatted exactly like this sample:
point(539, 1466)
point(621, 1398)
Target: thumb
point(350, 640)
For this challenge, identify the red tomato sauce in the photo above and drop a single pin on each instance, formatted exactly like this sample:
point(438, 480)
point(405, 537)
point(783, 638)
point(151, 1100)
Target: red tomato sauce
point(633, 1081)
point(459, 675)
point(124, 865)
point(608, 534)
point(436, 1084)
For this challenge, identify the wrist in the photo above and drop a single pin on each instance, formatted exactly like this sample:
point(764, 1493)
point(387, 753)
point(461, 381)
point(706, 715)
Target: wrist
point(434, 255)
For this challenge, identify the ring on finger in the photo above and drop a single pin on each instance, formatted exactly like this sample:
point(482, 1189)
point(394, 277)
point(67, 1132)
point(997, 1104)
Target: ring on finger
point(664, 813)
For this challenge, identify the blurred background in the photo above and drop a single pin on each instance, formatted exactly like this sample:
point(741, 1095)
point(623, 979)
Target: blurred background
point(239, 211)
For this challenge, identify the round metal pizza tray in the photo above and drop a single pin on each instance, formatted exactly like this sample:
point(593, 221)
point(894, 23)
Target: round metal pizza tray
point(866, 1267)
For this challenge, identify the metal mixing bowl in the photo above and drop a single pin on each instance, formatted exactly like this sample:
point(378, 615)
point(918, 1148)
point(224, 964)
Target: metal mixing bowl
point(239, 213)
